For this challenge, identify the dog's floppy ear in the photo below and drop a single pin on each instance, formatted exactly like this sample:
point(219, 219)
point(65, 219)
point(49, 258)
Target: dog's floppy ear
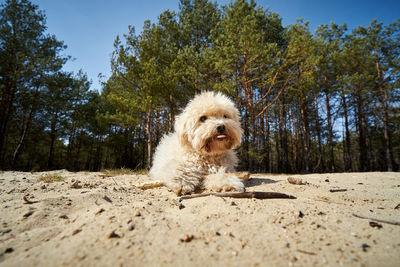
point(181, 129)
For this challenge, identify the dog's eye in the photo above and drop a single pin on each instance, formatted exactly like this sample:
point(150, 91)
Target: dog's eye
point(225, 117)
point(203, 118)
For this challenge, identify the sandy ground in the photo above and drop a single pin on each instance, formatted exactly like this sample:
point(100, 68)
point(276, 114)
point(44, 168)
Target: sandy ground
point(90, 219)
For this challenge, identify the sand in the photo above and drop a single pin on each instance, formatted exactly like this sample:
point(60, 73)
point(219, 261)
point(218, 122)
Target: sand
point(90, 219)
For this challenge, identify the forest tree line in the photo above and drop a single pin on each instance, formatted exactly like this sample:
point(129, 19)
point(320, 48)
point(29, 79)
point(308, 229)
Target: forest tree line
point(322, 101)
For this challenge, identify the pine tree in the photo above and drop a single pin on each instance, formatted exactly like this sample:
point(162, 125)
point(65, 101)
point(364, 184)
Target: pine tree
point(246, 54)
point(27, 55)
point(330, 42)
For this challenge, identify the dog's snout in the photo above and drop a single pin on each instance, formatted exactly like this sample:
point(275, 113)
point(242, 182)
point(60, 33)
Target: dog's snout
point(221, 129)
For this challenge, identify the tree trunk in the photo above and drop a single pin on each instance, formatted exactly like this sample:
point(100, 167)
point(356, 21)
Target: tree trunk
point(171, 114)
point(70, 147)
point(385, 113)
point(284, 160)
point(388, 141)
point(6, 106)
point(245, 143)
point(76, 165)
point(98, 154)
point(347, 147)
point(306, 135)
point(331, 162)
point(249, 102)
point(53, 135)
point(26, 127)
point(296, 134)
point(266, 143)
point(278, 153)
point(320, 166)
point(362, 142)
point(148, 132)
point(25, 130)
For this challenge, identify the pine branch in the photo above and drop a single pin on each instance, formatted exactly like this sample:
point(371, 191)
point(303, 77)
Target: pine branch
point(257, 195)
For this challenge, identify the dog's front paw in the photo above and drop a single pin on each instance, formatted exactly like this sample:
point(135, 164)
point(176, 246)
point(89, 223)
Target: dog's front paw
point(182, 187)
point(221, 182)
point(232, 183)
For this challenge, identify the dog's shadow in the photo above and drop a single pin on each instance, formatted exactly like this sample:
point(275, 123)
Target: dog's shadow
point(258, 181)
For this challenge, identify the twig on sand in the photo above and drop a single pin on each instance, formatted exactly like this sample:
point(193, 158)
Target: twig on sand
point(377, 220)
point(257, 195)
point(27, 201)
point(337, 190)
point(307, 252)
point(150, 185)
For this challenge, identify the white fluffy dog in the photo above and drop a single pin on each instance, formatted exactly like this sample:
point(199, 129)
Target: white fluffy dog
point(199, 154)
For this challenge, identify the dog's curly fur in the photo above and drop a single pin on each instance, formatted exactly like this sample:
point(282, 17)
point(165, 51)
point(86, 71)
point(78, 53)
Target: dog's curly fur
point(199, 154)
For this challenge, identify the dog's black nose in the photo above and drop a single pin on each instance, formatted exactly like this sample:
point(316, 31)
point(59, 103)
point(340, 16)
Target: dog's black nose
point(221, 129)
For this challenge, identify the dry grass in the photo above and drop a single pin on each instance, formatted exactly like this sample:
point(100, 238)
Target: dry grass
point(122, 171)
point(51, 177)
point(141, 172)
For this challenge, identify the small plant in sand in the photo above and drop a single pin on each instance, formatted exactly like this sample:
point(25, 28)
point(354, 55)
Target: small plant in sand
point(51, 177)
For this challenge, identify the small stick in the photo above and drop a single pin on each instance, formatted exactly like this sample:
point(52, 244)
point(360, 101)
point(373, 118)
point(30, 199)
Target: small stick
point(27, 201)
point(337, 190)
point(377, 220)
point(306, 252)
point(257, 195)
point(149, 185)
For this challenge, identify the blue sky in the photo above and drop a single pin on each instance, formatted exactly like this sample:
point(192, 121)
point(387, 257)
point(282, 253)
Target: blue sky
point(89, 27)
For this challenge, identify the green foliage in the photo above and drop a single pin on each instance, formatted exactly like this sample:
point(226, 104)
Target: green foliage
point(37, 97)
